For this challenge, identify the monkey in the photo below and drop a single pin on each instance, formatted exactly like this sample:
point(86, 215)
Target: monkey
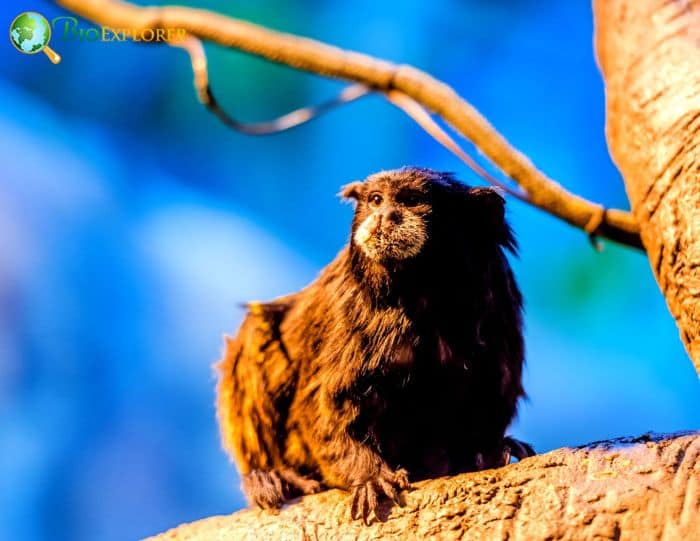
point(401, 361)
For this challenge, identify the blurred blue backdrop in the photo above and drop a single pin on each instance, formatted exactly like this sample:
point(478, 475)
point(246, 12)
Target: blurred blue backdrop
point(132, 223)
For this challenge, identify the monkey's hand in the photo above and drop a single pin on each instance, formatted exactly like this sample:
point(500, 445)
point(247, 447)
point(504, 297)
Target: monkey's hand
point(351, 465)
point(366, 494)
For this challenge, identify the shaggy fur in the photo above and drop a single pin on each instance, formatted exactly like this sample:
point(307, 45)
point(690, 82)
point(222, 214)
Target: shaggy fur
point(401, 361)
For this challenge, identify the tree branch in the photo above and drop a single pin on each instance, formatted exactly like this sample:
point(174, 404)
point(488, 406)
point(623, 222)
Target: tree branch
point(316, 57)
point(630, 488)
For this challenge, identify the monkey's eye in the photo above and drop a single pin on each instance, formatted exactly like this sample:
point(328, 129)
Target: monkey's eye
point(410, 199)
point(375, 199)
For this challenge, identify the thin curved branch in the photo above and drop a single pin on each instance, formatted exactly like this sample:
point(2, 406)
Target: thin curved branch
point(194, 47)
point(316, 57)
point(422, 117)
point(198, 59)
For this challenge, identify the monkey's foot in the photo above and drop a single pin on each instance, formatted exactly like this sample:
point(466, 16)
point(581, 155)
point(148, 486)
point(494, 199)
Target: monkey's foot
point(518, 449)
point(298, 484)
point(270, 489)
point(365, 495)
point(510, 447)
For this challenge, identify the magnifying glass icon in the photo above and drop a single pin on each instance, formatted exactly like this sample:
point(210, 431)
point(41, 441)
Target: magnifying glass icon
point(30, 33)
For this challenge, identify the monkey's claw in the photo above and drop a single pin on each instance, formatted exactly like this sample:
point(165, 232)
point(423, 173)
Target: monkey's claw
point(518, 449)
point(366, 495)
point(501, 455)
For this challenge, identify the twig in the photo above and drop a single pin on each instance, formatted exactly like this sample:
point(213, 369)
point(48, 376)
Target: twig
point(316, 57)
point(198, 59)
point(425, 121)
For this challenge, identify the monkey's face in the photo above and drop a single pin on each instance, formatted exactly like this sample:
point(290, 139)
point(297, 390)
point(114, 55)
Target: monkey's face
point(391, 216)
point(407, 212)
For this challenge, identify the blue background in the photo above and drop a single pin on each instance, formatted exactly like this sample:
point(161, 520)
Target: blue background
point(132, 223)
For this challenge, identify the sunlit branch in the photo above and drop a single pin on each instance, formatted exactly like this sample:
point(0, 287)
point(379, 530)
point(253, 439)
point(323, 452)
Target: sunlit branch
point(433, 95)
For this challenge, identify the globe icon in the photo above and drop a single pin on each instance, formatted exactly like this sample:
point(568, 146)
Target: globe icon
point(30, 33)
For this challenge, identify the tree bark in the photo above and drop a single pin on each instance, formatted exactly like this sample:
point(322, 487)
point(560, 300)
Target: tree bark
point(630, 488)
point(649, 53)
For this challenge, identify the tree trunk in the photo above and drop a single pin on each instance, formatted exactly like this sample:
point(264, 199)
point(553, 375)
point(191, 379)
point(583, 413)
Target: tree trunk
point(649, 53)
point(630, 488)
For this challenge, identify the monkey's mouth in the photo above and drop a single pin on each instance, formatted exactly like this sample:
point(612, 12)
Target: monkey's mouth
point(388, 242)
point(377, 236)
point(386, 247)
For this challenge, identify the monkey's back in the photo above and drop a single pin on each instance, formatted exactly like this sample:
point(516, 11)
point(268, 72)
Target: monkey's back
point(256, 383)
point(266, 369)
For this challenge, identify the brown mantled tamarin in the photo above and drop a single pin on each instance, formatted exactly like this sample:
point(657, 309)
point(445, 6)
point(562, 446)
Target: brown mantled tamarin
point(401, 361)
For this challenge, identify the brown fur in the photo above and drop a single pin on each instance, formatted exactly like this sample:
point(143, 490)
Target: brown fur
point(401, 361)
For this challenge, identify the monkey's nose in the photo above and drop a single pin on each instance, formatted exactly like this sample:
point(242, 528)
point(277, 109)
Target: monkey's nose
point(394, 216)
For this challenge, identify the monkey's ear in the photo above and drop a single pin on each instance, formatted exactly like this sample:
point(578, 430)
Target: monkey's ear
point(351, 191)
point(491, 202)
point(490, 210)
